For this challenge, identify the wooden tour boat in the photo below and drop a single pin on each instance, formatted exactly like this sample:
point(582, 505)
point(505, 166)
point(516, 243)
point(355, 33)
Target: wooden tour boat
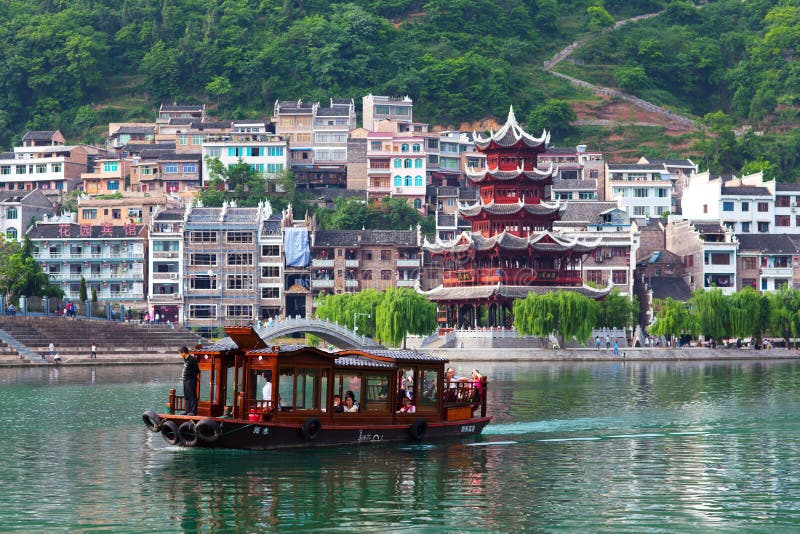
point(232, 412)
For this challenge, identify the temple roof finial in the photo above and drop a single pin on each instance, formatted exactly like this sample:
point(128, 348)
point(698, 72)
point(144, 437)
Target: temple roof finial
point(511, 117)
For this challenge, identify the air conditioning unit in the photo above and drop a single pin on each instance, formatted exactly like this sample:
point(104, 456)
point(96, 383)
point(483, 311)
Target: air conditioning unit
point(170, 255)
point(173, 276)
point(398, 190)
point(598, 259)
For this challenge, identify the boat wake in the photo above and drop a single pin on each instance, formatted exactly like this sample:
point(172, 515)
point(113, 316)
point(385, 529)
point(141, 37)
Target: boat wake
point(555, 425)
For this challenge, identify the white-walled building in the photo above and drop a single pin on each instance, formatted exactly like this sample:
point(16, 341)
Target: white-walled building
point(165, 265)
point(640, 189)
point(251, 144)
point(396, 167)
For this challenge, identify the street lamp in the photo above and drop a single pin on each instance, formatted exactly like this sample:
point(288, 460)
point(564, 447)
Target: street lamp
point(355, 315)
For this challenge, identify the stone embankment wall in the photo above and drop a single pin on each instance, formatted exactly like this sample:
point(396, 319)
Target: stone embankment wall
point(628, 354)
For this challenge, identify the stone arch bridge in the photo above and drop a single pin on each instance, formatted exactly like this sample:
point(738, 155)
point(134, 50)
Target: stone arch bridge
point(330, 332)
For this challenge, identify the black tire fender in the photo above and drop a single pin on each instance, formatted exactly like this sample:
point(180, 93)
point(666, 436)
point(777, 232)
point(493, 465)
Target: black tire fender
point(151, 421)
point(418, 428)
point(187, 433)
point(169, 431)
point(208, 430)
point(311, 428)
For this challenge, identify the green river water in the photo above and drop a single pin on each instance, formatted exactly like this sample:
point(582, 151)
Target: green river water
point(574, 447)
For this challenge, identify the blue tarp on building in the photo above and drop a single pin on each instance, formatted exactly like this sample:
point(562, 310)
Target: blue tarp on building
point(296, 247)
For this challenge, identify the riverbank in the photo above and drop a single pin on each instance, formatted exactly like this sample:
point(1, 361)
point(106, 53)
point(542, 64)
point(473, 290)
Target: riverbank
point(496, 355)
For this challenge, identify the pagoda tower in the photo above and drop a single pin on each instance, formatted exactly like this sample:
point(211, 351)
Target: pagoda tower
point(512, 249)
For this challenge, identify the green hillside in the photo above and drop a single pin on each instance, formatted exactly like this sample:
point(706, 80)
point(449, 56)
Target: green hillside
point(77, 65)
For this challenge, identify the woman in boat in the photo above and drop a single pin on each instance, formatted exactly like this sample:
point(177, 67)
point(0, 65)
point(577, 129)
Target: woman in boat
point(406, 406)
point(349, 404)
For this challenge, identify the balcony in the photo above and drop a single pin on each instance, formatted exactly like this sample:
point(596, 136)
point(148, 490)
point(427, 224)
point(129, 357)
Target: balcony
point(321, 284)
point(776, 271)
point(351, 284)
point(164, 254)
point(321, 263)
point(406, 283)
point(351, 263)
point(165, 276)
point(517, 277)
point(408, 263)
point(165, 298)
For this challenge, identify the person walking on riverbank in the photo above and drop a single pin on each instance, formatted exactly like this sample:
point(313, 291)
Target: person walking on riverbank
point(52, 348)
point(93, 354)
point(191, 372)
point(616, 348)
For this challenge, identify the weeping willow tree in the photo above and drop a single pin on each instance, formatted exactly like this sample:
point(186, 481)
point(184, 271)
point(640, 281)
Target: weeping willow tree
point(351, 309)
point(403, 311)
point(710, 310)
point(784, 313)
point(569, 315)
point(672, 319)
point(745, 313)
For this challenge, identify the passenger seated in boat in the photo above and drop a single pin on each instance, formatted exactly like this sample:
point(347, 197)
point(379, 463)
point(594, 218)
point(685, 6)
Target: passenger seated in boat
point(349, 405)
point(337, 404)
point(406, 406)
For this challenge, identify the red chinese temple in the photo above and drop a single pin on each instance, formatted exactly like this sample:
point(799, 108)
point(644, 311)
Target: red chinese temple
point(512, 249)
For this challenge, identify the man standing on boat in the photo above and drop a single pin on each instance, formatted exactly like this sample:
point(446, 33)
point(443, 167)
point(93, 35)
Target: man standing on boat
point(191, 372)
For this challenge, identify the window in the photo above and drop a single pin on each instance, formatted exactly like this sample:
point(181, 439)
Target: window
point(171, 168)
point(718, 258)
point(214, 153)
point(197, 139)
point(113, 185)
point(782, 201)
point(727, 205)
point(386, 255)
point(11, 213)
point(240, 310)
point(116, 213)
point(56, 167)
point(745, 206)
point(189, 168)
point(203, 281)
point(21, 169)
point(89, 213)
point(183, 139)
point(145, 171)
point(272, 168)
point(5, 169)
point(415, 147)
point(366, 255)
point(783, 220)
point(386, 274)
point(418, 181)
point(763, 227)
point(587, 195)
point(240, 237)
point(203, 259)
point(763, 207)
point(270, 271)
point(641, 211)
point(381, 110)
point(110, 166)
point(404, 147)
point(417, 204)
point(276, 151)
point(407, 163)
point(203, 237)
point(418, 163)
point(235, 152)
point(239, 258)
point(408, 181)
point(398, 181)
point(202, 311)
point(745, 227)
point(751, 282)
point(398, 164)
point(11, 233)
point(366, 275)
point(640, 192)
point(619, 277)
point(270, 292)
point(41, 168)
point(705, 208)
point(749, 263)
point(254, 151)
point(270, 250)
point(240, 281)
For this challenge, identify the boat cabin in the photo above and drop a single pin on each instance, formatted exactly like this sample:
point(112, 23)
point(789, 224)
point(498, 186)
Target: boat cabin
point(305, 380)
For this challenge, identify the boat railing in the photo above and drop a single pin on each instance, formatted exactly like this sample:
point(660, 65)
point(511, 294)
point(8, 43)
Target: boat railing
point(175, 403)
point(259, 410)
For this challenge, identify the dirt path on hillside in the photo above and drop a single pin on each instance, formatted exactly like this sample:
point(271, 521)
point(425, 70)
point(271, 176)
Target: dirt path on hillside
point(646, 112)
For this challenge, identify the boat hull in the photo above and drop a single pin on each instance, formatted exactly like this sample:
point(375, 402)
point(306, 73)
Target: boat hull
point(239, 434)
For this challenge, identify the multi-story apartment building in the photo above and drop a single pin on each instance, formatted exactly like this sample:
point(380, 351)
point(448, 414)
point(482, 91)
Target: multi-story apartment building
point(680, 170)
point(708, 250)
point(578, 173)
point(165, 172)
point(37, 164)
point(768, 262)
point(195, 112)
point(111, 259)
point(346, 261)
point(614, 261)
point(120, 134)
point(376, 108)
point(188, 134)
point(266, 153)
point(129, 208)
point(642, 190)
point(108, 177)
point(221, 265)
point(17, 210)
point(165, 287)
point(396, 167)
point(270, 267)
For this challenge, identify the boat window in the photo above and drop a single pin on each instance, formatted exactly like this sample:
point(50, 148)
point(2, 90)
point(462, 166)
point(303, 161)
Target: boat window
point(347, 382)
point(377, 393)
point(405, 382)
point(302, 389)
point(428, 393)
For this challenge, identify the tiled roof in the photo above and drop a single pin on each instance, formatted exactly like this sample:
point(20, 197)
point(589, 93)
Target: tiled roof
point(6, 155)
point(586, 211)
point(134, 130)
point(660, 256)
point(672, 162)
point(559, 150)
point(348, 238)
point(193, 107)
point(342, 101)
point(156, 153)
point(562, 185)
point(233, 215)
point(674, 288)
point(169, 215)
point(446, 191)
point(745, 190)
point(769, 243)
point(221, 345)
point(710, 227)
point(333, 112)
point(634, 166)
point(783, 186)
point(333, 194)
point(210, 125)
point(180, 156)
point(514, 292)
point(135, 148)
point(180, 121)
point(445, 219)
point(39, 135)
point(360, 361)
point(73, 230)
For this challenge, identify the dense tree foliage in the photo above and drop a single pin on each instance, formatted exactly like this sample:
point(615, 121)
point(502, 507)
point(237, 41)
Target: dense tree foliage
point(20, 274)
point(385, 214)
point(617, 311)
point(569, 315)
point(672, 319)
